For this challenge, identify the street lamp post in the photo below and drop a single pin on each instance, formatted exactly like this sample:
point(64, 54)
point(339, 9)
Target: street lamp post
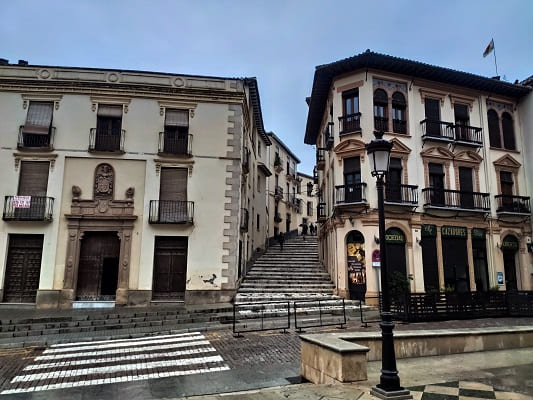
point(378, 151)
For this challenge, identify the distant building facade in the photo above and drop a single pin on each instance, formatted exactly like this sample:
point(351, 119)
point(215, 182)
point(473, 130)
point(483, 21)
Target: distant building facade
point(128, 187)
point(307, 195)
point(457, 193)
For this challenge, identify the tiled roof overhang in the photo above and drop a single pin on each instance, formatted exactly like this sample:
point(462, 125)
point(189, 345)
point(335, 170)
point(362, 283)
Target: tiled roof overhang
point(256, 105)
point(324, 75)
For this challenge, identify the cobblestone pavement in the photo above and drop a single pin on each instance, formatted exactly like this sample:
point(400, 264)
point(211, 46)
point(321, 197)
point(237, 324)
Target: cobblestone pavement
point(262, 359)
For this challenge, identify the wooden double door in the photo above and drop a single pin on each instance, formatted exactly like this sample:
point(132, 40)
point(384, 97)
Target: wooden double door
point(23, 268)
point(98, 266)
point(170, 268)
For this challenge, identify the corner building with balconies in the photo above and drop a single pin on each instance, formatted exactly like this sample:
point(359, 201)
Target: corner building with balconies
point(457, 200)
point(127, 187)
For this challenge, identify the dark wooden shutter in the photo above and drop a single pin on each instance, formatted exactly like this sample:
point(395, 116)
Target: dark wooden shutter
point(432, 108)
point(33, 180)
point(173, 184)
point(352, 164)
point(467, 187)
point(461, 113)
point(508, 132)
point(494, 129)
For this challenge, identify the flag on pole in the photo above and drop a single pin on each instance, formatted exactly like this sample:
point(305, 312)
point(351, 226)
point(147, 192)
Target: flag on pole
point(489, 48)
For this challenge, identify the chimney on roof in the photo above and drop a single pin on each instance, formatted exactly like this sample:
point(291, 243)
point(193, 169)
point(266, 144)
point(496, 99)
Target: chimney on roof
point(308, 100)
point(23, 63)
point(4, 61)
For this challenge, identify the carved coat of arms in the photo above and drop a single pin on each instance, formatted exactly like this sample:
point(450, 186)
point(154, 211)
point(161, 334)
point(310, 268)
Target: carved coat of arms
point(104, 181)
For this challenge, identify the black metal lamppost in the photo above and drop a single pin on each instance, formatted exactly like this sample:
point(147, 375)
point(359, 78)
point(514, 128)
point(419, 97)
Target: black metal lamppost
point(378, 151)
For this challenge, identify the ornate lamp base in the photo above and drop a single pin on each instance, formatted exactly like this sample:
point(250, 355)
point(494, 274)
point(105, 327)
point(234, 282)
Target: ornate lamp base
point(402, 394)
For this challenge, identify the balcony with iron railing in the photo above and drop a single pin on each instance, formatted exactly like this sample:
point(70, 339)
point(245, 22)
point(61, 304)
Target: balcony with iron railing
point(278, 193)
point(399, 126)
point(278, 164)
point(291, 174)
point(320, 158)
point(28, 208)
point(34, 141)
point(439, 131)
point(404, 195)
point(293, 201)
point(381, 124)
point(329, 139)
point(321, 212)
point(468, 135)
point(171, 212)
point(245, 217)
point(456, 199)
point(350, 194)
point(171, 143)
point(315, 175)
point(108, 141)
point(350, 123)
point(245, 160)
point(507, 204)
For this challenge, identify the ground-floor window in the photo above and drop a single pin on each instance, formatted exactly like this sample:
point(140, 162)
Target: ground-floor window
point(455, 258)
point(429, 258)
point(509, 248)
point(395, 247)
point(479, 252)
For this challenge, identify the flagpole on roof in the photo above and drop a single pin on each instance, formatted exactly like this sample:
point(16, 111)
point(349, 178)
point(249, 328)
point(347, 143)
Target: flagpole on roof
point(495, 64)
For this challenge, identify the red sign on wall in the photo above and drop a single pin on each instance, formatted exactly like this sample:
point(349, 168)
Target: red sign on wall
point(376, 258)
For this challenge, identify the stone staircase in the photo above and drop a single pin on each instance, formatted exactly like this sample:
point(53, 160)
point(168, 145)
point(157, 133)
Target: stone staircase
point(293, 274)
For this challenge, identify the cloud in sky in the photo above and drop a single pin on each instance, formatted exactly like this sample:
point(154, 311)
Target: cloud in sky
point(279, 42)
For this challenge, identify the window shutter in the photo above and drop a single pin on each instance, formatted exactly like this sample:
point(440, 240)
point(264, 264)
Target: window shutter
point(494, 129)
point(508, 132)
point(110, 111)
point(173, 184)
point(435, 169)
point(176, 117)
point(33, 179)
point(398, 100)
point(395, 163)
point(461, 112)
point(432, 108)
point(352, 164)
point(39, 118)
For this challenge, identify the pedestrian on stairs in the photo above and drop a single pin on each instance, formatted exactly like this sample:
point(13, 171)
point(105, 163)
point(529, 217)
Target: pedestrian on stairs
point(281, 239)
point(312, 230)
point(304, 229)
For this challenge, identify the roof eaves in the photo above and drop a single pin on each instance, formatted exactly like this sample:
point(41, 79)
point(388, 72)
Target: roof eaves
point(277, 139)
point(256, 105)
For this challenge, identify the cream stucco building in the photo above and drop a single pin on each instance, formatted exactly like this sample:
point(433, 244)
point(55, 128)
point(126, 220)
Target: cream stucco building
point(128, 186)
point(457, 194)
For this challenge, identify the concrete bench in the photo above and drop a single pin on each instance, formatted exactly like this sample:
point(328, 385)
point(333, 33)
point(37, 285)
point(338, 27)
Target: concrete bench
point(342, 357)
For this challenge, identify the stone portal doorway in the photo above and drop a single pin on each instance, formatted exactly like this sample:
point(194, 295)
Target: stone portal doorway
point(98, 266)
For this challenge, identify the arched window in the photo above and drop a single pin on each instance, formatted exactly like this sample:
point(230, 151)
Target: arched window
point(380, 110)
point(398, 113)
point(508, 132)
point(494, 129)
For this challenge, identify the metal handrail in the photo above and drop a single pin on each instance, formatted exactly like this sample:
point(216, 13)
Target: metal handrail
point(38, 208)
point(171, 212)
point(175, 144)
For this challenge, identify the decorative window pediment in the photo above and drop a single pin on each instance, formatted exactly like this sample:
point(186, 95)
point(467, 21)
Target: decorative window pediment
point(399, 148)
point(439, 153)
point(469, 157)
point(350, 148)
point(507, 162)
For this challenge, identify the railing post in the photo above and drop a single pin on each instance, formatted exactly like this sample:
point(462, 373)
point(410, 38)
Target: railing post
point(320, 312)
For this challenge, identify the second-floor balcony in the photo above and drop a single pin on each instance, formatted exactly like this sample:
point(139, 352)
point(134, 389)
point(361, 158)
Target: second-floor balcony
point(381, 124)
point(404, 195)
point(278, 192)
point(293, 201)
point(107, 140)
point(399, 126)
point(171, 212)
point(172, 143)
point(245, 217)
point(456, 199)
point(28, 208)
point(437, 130)
point(507, 204)
point(321, 212)
point(350, 194)
point(350, 123)
point(291, 173)
point(245, 160)
point(36, 141)
point(315, 175)
point(320, 158)
point(468, 135)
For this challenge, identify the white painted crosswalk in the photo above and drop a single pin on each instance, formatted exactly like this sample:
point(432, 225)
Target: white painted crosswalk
point(113, 361)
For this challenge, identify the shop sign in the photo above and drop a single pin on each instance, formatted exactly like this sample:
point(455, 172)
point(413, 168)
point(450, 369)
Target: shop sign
point(509, 243)
point(454, 232)
point(478, 233)
point(429, 231)
point(356, 270)
point(394, 235)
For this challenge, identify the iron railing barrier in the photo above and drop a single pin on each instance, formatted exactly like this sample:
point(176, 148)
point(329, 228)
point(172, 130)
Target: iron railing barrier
point(315, 313)
point(263, 316)
point(362, 316)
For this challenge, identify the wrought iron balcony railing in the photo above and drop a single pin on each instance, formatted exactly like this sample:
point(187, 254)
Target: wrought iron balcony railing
point(401, 194)
point(513, 204)
point(321, 211)
point(278, 192)
point(399, 126)
point(28, 208)
point(174, 144)
point(171, 212)
point(350, 123)
point(320, 157)
point(245, 160)
point(456, 199)
point(107, 141)
point(468, 135)
point(381, 124)
point(315, 175)
point(245, 217)
point(35, 141)
point(437, 130)
point(350, 194)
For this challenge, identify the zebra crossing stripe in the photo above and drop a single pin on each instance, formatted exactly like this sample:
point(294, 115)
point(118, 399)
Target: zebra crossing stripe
point(121, 350)
point(136, 357)
point(119, 379)
point(124, 340)
point(117, 368)
point(123, 344)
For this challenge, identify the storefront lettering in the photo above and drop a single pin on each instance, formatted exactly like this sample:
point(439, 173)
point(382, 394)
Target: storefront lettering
point(429, 231)
point(478, 233)
point(454, 231)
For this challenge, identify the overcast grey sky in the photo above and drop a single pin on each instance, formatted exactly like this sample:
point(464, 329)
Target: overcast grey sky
point(279, 42)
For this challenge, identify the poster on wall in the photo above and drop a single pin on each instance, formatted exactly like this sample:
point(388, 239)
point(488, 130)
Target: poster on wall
point(356, 270)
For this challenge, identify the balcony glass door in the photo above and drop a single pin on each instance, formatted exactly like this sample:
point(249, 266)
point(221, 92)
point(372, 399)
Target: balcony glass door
point(467, 187)
point(436, 184)
point(394, 181)
point(352, 180)
point(432, 108)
